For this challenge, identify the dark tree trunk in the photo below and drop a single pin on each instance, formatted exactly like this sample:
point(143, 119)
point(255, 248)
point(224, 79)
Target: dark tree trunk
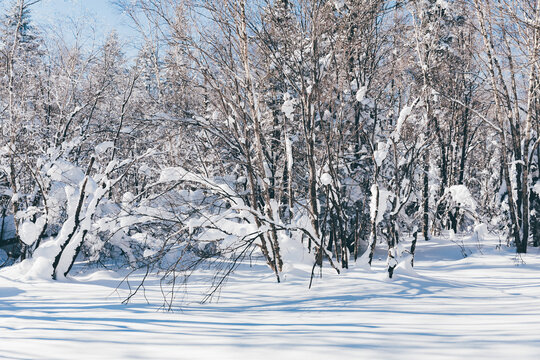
point(425, 195)
point(413, 246)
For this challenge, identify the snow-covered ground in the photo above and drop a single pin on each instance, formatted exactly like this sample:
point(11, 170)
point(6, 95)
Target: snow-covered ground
point(485, 306)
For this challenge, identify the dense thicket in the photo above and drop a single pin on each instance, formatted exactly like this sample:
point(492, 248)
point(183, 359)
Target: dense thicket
point(269, 128)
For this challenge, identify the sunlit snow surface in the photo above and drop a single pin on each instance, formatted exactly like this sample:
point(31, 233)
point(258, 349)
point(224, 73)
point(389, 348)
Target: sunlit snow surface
point(485, 306)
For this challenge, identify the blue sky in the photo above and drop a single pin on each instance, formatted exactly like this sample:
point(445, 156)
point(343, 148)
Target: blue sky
point(106, 14)
point(102, 13)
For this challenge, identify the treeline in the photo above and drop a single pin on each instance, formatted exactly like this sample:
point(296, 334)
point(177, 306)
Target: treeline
point(269, 128)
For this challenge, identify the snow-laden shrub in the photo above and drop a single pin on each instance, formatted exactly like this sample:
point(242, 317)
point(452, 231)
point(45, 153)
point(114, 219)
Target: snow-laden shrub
point(456, 209)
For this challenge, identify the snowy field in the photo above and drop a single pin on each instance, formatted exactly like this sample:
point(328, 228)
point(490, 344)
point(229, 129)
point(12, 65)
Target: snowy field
point(484, 306)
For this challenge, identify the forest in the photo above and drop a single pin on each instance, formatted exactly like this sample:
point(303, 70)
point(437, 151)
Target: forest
point(275, 130)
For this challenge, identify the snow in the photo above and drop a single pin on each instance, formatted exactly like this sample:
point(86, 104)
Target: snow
point(30, 231)
point(339, 4)
point(403, 115)
point(289, 152)
point(361, 94)
point(104, 146)
point(326, 179)
point(461, 195)
point(484, 306)
point(288, 106)
point(443, 4)
point(481, 232)
point(380, 154)
point(536, 188)
point(381, 196)
point(173, 174)
point(63, 171)
point(85, 226)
